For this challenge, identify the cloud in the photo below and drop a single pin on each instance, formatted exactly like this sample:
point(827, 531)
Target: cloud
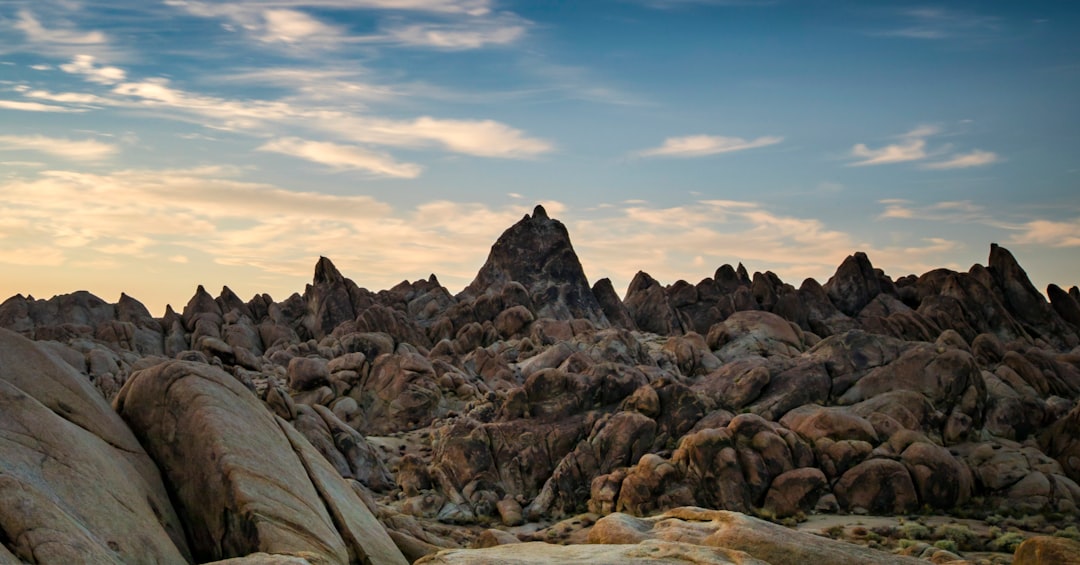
point(703, 145)
point(466, 24)
point(34, 107)
point(37, 33)
point(940, 24)
point(953, 211)
point(482, 138)
point(84, 65)
point(1049, 233)
point(976, 158)
point(84, 150)
point(675, 242)
point(467, 7)
point(911, 150)
point(457, 36)
point(291, 26)
point(913, 146)
point(344, 157)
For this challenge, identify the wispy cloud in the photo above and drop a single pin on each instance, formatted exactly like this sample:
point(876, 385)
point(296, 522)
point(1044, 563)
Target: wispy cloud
point(77, 150)
point(932, 23)
point(292, 26)
point(976, 158)
point(457, 36)
point(86, 66)
point(1049, 233)
point(637, 235)
point(483, 138)
point(458, 25)
point(913, 146)
point(467, 7)
point(703, 145)
point(910, 150)
point(344, 157)
point(36, 32)
point(955, 211)
point(670, 4)
point(34, 107)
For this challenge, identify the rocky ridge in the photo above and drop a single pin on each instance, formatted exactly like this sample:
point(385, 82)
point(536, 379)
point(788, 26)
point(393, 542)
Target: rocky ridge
point(342, 425)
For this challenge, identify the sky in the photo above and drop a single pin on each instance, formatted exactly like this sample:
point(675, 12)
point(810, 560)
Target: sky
point(150, 146)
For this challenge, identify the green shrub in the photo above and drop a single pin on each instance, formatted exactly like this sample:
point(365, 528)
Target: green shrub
point(1071, 532)
point(1007, 542)
point(914, 530)
point(958, 533)
point(946, 544)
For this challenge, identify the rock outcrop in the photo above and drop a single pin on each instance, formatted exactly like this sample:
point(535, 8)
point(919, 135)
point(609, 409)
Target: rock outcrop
point(341, 425)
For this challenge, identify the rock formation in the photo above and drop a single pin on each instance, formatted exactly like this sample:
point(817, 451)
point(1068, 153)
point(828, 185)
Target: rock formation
point(342, 425)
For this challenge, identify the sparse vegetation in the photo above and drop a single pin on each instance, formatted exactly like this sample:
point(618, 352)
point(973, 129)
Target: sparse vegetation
point(1007, 542)
point(914, 530)
point(961, 535)
point(947, 545)
point(1070, 532)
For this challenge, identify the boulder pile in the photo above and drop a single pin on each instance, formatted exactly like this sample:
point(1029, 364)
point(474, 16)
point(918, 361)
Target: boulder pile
point(342, 425)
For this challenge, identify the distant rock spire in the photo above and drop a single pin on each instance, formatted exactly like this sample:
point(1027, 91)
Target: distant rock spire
point(536, 252)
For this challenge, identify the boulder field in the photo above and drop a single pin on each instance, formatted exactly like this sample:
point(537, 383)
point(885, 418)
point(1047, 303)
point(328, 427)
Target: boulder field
point(535, 418)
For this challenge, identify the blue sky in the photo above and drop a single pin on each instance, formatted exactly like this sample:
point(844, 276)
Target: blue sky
point(150, 146)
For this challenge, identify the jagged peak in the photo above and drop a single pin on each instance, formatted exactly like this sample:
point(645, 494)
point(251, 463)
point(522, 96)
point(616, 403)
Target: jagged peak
point(540, 212)
point(641, 281)
point(326, 272)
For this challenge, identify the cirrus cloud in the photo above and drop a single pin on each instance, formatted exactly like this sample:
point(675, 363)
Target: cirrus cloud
point(76, 150)
point(343, 157)
point(704, 145)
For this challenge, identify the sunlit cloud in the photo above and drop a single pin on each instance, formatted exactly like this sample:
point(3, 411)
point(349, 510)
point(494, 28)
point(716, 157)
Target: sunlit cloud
point(482, 138)
point(102, 74)
point(703, 145)
point(22, 106)
point(291, 26)
point(913, 146)
point(465, 24)
point(212, 9)
point(1049, 233)
point(976, 158)
point(36, 32)
point(76, 150)
point(955, 211)
point(911, 150)
point(344, 157)
point(457, 36)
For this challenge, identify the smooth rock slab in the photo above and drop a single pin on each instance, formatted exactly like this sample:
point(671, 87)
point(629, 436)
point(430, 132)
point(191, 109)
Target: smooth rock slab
point(75, 486)
point(652, 552)
point(241, 484)
point(764, 541)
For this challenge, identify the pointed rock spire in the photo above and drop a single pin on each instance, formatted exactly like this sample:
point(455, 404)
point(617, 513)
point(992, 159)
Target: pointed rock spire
point(326, 272)
point(854, 285)
point(536, 252)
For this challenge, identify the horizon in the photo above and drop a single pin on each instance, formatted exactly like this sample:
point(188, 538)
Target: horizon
point(178, 306)
point(399, 138)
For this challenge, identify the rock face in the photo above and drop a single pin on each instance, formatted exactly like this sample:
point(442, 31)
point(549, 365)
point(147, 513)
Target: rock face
point(536, 253)
point(55, 432)
point(342, 425)
point(244, 482)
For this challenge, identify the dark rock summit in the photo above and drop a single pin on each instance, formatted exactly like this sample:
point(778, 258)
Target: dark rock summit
point(536, 252)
